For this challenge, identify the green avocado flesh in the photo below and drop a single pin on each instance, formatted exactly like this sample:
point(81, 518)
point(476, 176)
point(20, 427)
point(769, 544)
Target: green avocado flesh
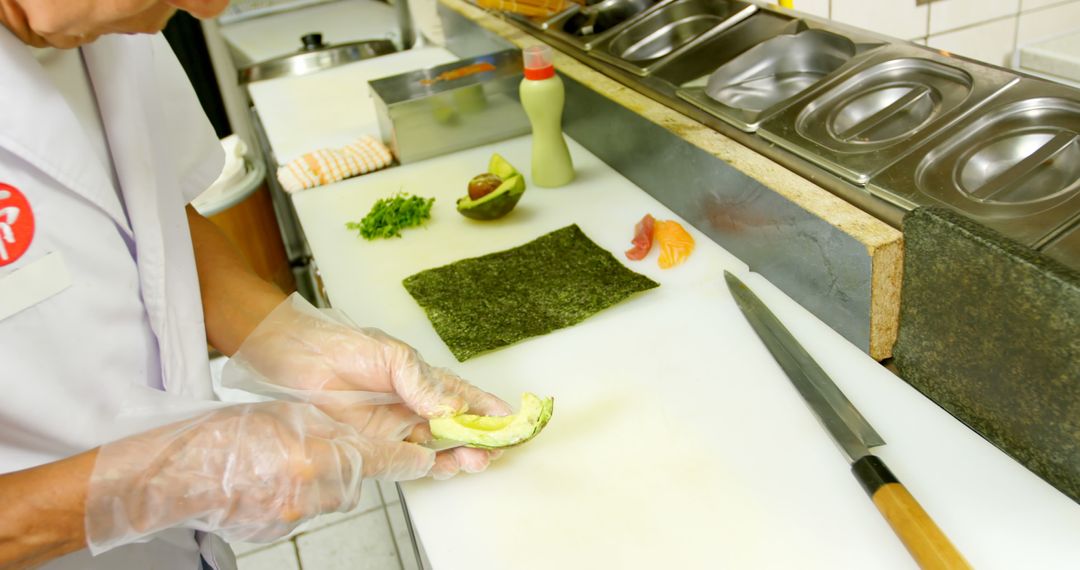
point(491, 432)
point(496, 204)
point(499, 167)
point(501, 200)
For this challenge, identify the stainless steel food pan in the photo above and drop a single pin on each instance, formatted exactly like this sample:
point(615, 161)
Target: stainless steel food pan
point(585, 27)
point(1013, 166)
point(1065, 248)
point(668, 31)
point(869, 117)
point(459, 105)
point(756, 84)
point(693, 67)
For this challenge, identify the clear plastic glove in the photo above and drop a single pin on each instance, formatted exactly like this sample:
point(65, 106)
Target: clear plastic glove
point(361, 376)
point(251, 472)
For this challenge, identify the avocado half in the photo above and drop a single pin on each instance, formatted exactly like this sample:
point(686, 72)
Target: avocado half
point(492, 432)
point(501, 200)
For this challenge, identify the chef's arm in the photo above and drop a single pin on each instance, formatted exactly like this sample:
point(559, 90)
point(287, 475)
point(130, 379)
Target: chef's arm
point(44, 511)
point(234, 298)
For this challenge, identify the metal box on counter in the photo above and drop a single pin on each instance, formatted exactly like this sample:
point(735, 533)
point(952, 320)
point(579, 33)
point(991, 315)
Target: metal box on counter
point(467, 103)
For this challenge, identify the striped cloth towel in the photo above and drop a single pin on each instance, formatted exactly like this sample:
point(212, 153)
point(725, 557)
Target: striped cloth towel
point(328, 165)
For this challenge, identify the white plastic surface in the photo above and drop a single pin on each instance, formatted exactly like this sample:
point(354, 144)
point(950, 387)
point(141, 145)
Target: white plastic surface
point(331, 108)
point(676, 440)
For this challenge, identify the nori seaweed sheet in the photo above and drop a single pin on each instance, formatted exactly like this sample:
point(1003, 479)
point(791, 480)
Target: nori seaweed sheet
point(554, 281)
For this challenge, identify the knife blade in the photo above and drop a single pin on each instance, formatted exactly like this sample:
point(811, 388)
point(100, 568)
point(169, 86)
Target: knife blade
point(854, 435)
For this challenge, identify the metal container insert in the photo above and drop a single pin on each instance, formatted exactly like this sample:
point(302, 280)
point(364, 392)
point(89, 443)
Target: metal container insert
point(592, 22)
point(670, 30)
point(886, 125)
point(450, 107)
point(756, 84)
point(1066, 247)
point(873, 115)
point(1014, 166)
point(586, 26)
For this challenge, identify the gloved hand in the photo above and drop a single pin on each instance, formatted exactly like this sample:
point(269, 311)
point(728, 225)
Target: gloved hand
point(362, 376)
point(250, 472)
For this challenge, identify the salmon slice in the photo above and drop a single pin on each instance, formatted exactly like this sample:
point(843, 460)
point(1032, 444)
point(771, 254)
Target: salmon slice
point(643, 238)
point(674, 241)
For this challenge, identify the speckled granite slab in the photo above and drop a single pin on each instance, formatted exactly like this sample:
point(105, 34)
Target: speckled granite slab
point(990, 330)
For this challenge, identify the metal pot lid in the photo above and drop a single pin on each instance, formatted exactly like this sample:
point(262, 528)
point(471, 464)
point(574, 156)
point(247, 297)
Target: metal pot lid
point(315, 56)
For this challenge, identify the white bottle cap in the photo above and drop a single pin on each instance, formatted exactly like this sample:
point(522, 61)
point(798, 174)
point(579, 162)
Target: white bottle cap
point(537, 62)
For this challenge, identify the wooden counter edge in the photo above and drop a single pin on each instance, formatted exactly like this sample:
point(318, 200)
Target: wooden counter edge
point(884, 244)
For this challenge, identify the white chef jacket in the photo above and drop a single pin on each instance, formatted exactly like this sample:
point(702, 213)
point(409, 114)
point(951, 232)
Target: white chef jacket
point(101, 327)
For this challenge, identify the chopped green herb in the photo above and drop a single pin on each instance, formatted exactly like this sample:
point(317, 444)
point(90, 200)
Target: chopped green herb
point(390, 215)
point(552, 282)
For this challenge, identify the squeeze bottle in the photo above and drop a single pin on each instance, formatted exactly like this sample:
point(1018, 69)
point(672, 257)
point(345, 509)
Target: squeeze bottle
point(542, 96)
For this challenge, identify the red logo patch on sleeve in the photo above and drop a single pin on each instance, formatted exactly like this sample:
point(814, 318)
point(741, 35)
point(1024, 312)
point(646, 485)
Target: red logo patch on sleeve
point(16, 224)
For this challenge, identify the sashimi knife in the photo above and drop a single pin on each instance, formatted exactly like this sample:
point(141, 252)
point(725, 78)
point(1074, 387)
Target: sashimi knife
point(926, 542)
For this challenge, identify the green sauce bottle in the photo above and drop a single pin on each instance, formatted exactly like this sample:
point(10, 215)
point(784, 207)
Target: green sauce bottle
point(542, 96)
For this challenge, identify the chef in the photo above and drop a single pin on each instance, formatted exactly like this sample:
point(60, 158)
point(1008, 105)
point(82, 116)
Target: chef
point(113, 453)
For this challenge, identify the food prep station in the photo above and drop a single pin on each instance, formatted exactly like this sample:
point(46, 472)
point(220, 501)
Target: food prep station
point(893, 125)
point(886, 125)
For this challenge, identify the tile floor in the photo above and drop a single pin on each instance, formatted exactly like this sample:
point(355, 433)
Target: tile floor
point(373, 537)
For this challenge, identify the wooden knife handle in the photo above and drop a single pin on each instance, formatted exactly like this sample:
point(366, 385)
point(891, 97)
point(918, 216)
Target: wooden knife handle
point(921, 536)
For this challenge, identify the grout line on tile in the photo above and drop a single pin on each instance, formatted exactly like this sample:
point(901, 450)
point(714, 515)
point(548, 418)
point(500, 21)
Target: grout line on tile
point(929, 11)
point(296, 553)
point(382, 497)
point(1014, 60)
point(393, 535)
point(350, 518)
point(1040, 8)
point(260, 548)
point(250, 552)
point(975, 25)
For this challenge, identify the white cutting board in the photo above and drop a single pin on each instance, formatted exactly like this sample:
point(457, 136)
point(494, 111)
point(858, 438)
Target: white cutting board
point(676, 441)
point(330, 108)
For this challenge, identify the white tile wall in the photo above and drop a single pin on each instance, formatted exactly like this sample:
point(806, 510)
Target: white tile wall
point(979, 29)
point(991, 42)
point(1035, 4)
point(897, 18)
point(953, 14)
point(1048, 22)
point(814, 7)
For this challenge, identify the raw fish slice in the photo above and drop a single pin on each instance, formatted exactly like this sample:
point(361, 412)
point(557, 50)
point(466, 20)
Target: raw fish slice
point(643, 238)
point(675, 243)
